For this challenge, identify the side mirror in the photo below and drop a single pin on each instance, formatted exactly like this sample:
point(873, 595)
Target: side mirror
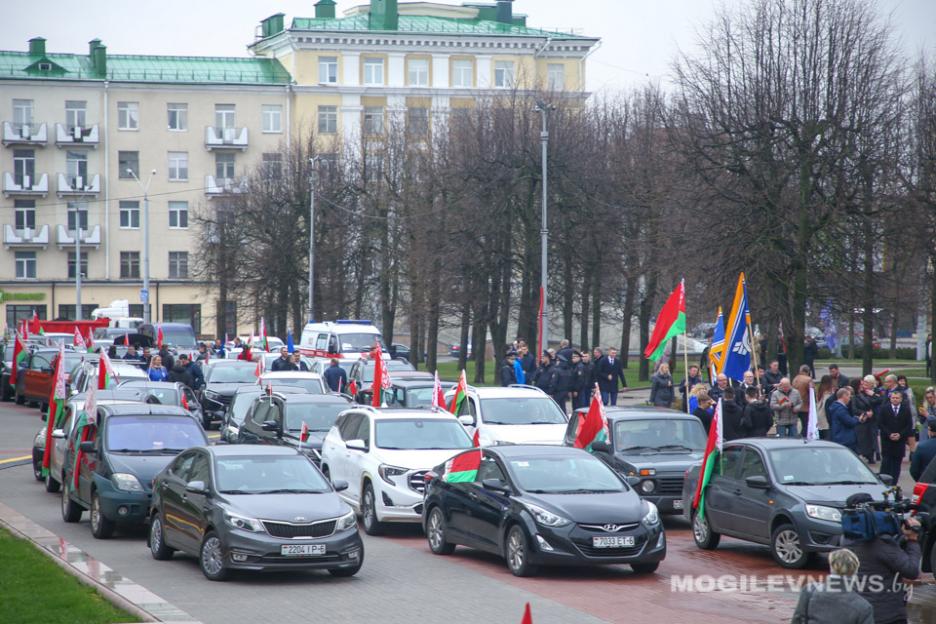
point(340, 485)
point(59, 434)
point(886, 479)
point(196, 487)
point(270, 425)
point(757, 482)
point(601, 446)
point(467, 420)
point(87, 446)
point(496, 485)
point(357, 445)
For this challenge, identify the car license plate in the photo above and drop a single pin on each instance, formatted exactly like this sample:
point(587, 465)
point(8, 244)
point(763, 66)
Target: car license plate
point(677, 503)
point(302, 550)
point(616, 541)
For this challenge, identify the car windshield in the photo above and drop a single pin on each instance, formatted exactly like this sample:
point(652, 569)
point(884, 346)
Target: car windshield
point(179, 337)
point(240, 405)
point(310, 385)
point(233, 374)
point(660, 433)
point(819, 465)
point(419, 397)
point(319, 417)
point(392, 365)
point(360, 341)
point(152, 434)
point(165, 396)
point(421, 434)
point(268, 475)
point(561, 475)
point(536, 410)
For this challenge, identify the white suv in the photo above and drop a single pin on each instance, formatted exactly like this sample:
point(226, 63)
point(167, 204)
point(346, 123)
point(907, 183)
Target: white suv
point(512, 415)
point(384, 455)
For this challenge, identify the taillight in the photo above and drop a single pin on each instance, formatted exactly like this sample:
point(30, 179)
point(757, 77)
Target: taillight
point(918, 491)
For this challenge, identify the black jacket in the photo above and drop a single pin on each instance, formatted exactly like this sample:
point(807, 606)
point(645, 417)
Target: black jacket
point(282, 364)
point(693, 381)
point(704, 416)
point(610, 373)
point(167, 360)
point(810, 351)
point(545, 378)
point(661, 390)
point(507, 375)
point(771, 380)
point(882, 559)
point(336, 378)
point(732, 427)
point(900, 423)
point(198, 377)
point(179, 374)
point(757, 418)
point(580, 378)
point(528, 363)
point(564, 378)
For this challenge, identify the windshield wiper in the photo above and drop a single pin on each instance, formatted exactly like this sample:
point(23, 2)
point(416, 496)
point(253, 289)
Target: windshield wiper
point(585, 491)
point(678, 447)
point(846, 483)
point(637, 448)
point(236, 492)
point(799, 483)
point(290, 491)
point(129, 450)
point(544, 422)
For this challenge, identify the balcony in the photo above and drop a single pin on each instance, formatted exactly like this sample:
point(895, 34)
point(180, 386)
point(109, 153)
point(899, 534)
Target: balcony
point(76, 136)
point(25, 238)
point(78, 185)
point(225, 138)
point(27, 186)
point(33, 133)
point(90, 237)
point(218, 187)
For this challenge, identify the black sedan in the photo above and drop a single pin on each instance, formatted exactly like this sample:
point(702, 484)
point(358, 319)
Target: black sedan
point(541, 505)
point(222, 379)
point(252, 508)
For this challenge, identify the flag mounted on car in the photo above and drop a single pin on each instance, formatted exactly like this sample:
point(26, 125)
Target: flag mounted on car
point(19, 357)
point(461, 391)
point(56, 413)
point(713, 448)
point(591, 427)
point(438, 397)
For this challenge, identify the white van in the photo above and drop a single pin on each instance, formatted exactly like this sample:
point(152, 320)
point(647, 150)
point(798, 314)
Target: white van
point(340, 339)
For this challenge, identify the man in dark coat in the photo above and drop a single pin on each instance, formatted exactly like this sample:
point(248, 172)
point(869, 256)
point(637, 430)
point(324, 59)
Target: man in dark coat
point(194, 369)
point(842, 423)
point(925, 451)
point(733, 427)
point(896, 425)
point(178, 374)
point(563, 382)
point(757, 418)
point(527, 361)
point(610, 371)
point(565, 350)
point(282, 363)
point(694, 378)
point(167, 360)
point(580, 382)
point(545, 376)
point(772, 377)
point(336, 377)
point(810, 351)
point(507, 375)
point(838, 378)
point(885, 561)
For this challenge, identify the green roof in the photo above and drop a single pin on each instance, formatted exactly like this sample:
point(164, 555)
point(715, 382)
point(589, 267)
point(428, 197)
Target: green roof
point(430, 25)
point(139, 68)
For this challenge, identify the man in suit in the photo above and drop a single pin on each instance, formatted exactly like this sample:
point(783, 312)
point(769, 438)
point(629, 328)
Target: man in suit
point(610, 370)
point(896, 425)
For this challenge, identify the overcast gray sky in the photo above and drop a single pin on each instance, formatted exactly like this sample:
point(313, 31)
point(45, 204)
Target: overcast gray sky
point(639, 37)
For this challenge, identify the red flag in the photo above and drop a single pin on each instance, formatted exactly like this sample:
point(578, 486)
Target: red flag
point(259, 370)
point(670, 322)
point(438, 397)
point(377, 385)
point(34, 326)
point(527, 616)
point(712, 446)
point(78, 340)
point(56, 406)
point(159, 337)
point(352, 388)
point(592, 426)
point(19, 353)
point(304, 433)
point(461, 391)
point(184, 401)
point(476, 438)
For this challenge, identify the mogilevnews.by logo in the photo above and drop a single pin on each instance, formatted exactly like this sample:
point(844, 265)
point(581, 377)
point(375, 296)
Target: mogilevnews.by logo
point(748, 583)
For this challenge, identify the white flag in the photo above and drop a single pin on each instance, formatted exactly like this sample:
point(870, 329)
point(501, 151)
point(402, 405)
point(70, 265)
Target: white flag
point(812, 423)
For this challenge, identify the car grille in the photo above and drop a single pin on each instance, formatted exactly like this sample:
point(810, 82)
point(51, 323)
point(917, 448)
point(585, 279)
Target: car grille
point(669, 486)
point(297, 531)
point(417, 481)
point(601, 527)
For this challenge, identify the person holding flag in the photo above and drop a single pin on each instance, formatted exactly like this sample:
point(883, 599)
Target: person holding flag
point(381, 379)
point(701, 529)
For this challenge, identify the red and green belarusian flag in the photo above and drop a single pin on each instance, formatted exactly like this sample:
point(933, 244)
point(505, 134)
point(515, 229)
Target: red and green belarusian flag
point(438, 396)
point(263, 335)
point(712, 451)
point(87, 419)
point(592, 427)
point(105, 372)
point(35, 326)
point(19, 357)
point(463, 468)
point(381, 378)
point(57, 400)
point(461, 391)
point(78, 341)
point(670, 322)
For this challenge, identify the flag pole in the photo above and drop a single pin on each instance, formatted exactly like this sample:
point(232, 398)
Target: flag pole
point(685, 352)
point(760, 387)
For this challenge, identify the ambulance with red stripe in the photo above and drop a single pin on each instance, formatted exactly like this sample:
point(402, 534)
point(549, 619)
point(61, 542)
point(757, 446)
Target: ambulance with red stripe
point(344, 339)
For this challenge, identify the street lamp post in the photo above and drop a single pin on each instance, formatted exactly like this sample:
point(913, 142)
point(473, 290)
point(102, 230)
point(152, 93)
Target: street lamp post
point(312, 162)
point(147, 318)
point(543, 109)
point(78, 261)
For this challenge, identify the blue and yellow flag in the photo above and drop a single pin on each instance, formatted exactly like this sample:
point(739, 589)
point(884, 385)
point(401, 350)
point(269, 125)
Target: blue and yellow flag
point(717, 349)
point(737, 358)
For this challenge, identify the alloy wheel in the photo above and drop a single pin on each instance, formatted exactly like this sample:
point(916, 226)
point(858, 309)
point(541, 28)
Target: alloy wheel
point(515, 554)
point(787, 546)
point(212, 556)
point(435, 529)
point(155, 533)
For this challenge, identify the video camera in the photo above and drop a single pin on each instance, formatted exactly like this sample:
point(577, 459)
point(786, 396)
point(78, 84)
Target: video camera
point(864, 518)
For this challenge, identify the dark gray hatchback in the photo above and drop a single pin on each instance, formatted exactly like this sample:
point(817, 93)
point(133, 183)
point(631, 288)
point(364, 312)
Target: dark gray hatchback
point(783, 492)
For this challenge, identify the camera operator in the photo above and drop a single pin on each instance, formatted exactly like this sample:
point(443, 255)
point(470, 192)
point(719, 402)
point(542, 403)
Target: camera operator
point(885, 560)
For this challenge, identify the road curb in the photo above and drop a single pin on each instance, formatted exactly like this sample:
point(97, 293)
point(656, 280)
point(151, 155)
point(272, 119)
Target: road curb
point(119, 590)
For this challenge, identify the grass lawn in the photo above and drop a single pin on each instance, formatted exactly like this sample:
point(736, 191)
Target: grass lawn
point(34, 590)
point(448, 371)
point(878, 363)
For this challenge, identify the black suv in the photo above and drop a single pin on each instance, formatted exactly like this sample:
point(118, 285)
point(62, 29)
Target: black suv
point(222, 379)
point(277, 419)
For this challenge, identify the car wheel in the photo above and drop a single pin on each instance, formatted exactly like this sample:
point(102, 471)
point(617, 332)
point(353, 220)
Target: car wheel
point(787, 547)
point(51, 485)
point(157, 541)
point(372, 526)
point(705, 538)
point(211, 558)
point(645, 568)
point(517, 550)
point(71, 511)
point(37, 466)
point(346, 572)
point(435, 533)
point(101, 527)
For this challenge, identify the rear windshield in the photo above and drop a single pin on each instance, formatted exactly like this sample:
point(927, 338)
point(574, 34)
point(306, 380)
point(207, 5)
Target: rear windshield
point(179, 336)
point(392, 365)
point(152, 434)
point(233, 374)
point(319, 417)
point(241, 404)
point(312, 386)
point(522, 411)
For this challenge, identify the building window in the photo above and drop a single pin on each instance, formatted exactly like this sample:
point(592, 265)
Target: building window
point(77, 215)
point(76, 112)
point(555, 76)
point(129, 214)
point(504, 74)
point(17, 313)
point(272, 118)
point(76, 169)
point(373, 120)
point(273, 166)
point(178, 215)
point(128, 115)
point(224, 116)
point(71, 267)
point(24, 214)
point(183, 313)
point(24, 168)
point(328, 69)
point(128, 162)
point(373, 71)
point(178, 166)
point(67, 311)
point(224, 166)
point(25, 265)
point(417, 74)
point(327, 119)
point(178, 264)
point(417, 121)
point(22, 114)
point(178, 116)
point(462, 73)
point(129, 265)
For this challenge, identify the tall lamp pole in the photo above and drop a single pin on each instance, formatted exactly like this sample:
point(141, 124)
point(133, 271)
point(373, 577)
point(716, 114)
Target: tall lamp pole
point(78, 260)
point(147, 317)
point(312, 162)
point(543, 109)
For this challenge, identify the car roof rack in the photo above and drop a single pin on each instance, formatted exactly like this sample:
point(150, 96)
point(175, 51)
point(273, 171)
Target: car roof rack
point(527, 386)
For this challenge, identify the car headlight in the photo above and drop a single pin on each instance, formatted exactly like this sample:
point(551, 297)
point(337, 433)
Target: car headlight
point(546, 518)
point(652, 517)
point(346, 522)
point(387, 472)
point(211, 394)
point(243, 523)
point(821, 512)
point(647, 486)
point(126, 482)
